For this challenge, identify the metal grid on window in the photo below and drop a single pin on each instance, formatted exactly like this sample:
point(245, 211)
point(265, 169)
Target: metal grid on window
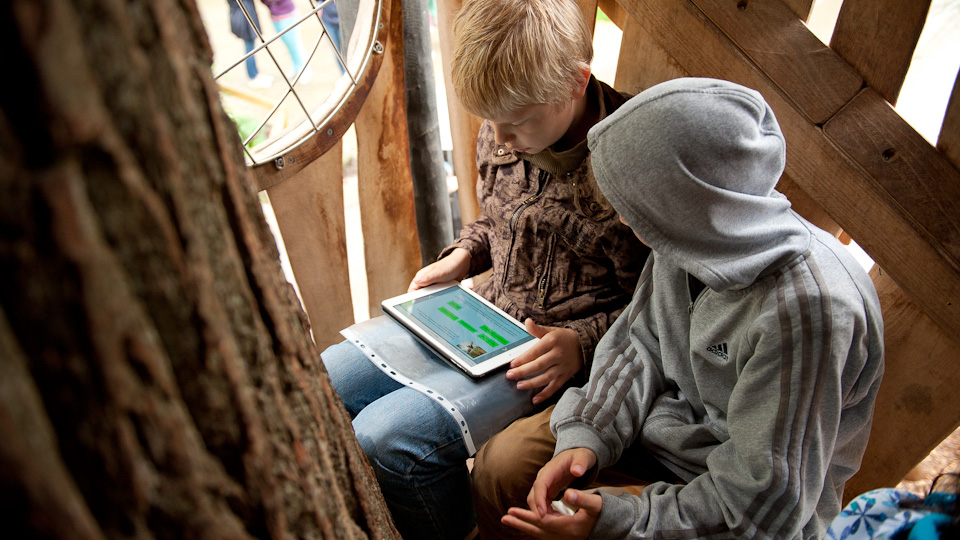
point(296, 92)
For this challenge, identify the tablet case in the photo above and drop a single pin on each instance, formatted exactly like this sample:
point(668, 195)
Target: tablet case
point(481, 407)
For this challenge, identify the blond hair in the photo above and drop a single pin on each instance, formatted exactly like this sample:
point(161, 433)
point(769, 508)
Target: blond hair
point(509, 54)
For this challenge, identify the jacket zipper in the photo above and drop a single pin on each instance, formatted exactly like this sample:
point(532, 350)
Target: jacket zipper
point(545, 278)
point(693, 301)
point(542, 179)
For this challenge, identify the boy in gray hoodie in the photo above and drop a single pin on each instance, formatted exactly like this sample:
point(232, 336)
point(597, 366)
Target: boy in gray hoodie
point(748, 361)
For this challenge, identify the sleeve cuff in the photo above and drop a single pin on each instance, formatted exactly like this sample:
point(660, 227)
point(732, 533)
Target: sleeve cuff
point(617, 516)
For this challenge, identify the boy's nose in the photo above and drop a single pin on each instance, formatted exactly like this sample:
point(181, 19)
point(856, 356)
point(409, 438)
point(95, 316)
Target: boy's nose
point(501, 135)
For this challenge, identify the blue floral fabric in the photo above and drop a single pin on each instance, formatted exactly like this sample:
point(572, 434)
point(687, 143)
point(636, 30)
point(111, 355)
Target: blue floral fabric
point(880, 514)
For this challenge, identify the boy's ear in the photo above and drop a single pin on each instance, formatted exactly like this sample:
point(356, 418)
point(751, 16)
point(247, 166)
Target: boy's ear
point(581, 88)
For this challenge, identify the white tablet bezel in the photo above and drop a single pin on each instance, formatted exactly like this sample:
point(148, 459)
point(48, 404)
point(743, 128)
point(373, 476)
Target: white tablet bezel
point(388, 306)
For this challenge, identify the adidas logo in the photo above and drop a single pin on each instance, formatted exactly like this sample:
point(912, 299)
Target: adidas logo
point(719, 350)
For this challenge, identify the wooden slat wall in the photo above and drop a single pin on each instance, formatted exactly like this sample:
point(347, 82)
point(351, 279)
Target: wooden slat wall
point(854, 167)
point(307, 197)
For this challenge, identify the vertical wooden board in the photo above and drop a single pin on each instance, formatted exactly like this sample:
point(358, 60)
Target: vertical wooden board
point(643, 62)
point(917, 406)
point(464, 127)
point(878, 37)
point(949, 140)
point(309, 210)
point(589, 9)
point(817, 80)
point(924, 183)
point(387, 215)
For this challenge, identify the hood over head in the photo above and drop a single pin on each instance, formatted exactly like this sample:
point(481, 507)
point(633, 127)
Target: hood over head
point(691, 165)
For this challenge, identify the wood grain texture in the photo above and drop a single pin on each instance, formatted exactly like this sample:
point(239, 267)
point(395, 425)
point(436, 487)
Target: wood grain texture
point(589, 9)
point(309, 207)
point(924, 184)
point(916, 407)
point(815, 79)
point(949, 141)
point(614, 12)
point(877, 38)
point(800, 8)
point(387, 213)
point(642, 61)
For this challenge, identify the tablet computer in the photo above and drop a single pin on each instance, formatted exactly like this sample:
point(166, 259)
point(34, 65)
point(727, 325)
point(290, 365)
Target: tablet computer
point(461, 326)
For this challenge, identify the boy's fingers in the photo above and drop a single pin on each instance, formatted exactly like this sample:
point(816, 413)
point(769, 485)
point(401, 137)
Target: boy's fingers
point(544, 394)
point(591, 503)
point(519, 523)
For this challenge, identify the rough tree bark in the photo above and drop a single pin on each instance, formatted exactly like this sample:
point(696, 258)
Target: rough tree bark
point(157, 379)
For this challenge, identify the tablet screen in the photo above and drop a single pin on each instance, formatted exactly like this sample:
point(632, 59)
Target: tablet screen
point(474, 331)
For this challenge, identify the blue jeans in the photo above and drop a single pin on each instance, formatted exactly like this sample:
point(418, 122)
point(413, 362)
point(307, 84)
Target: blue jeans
point(414, 446)
point(252, 61)
point(292, 40)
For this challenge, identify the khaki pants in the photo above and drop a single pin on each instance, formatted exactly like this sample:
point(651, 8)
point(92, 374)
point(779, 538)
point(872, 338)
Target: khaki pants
point(505, 467)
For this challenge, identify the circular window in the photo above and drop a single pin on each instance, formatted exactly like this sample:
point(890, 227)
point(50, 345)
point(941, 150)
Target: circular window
point(290, 69)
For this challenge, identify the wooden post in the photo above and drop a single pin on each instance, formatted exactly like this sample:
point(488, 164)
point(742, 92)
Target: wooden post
point(390, 246)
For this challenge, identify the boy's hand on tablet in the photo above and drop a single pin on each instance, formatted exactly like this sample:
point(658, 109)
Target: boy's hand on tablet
point(453, 267)
point(550, 363)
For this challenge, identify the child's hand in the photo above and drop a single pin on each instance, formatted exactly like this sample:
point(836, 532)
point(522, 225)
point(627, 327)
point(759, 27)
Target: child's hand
point(453, 267)
point(541, 519)
point(550, 363)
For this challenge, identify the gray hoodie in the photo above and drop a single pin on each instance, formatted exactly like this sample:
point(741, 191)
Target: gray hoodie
point(757, 391)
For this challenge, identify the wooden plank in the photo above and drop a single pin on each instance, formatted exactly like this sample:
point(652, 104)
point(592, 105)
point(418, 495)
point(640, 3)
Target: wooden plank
point(923, 182)
point(847, 192)
point(878, 37)
point(614, 12)
point(800, 8)
point(949, 140)
point(645, 62)
point(917, 404)
point(464, 127)
point(817, 80)
point(387, 213)
point(309, 210)
point(589, 9)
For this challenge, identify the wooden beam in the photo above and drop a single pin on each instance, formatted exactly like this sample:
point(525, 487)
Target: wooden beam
point(878, 37)
point(464, 127)
point(309, 210)
point(614, 12)
point(914, 174)
point(643, 62)
point(817, 80)
point(589, 9)
point(949, 140)
point(387, 212)
point(800, 8)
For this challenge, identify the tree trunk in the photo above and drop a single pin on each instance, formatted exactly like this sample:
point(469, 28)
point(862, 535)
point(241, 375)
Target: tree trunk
point(157, 378)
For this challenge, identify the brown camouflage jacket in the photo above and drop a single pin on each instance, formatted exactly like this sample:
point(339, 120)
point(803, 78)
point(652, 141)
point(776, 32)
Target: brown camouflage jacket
point(557, 249)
